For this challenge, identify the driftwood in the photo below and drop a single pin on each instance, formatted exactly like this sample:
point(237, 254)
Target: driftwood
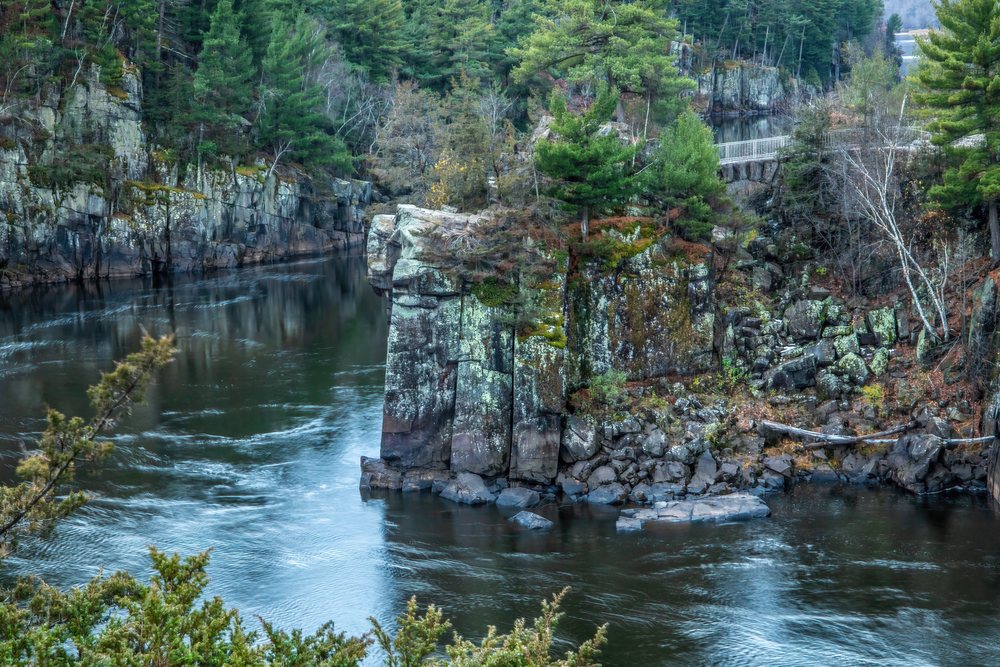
point(826, 439)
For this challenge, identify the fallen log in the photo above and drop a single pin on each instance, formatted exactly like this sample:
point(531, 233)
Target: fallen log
point(827, 439)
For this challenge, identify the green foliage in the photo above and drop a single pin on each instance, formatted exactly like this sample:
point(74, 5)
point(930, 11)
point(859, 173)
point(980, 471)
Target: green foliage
point(371, 34)
point(526, 646)
point(686, 175)
point(32, 507)
point(590, 168)
point(76, 163)
point(625, 45)
point(806, 163)
point(609, 386)
point(294, 118)
point(493, 293)
point(222, 83)
point(871, 88)
point(960, 83)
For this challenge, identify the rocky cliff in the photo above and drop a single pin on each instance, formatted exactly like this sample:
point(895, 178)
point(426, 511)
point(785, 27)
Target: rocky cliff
point(468, 390)
point(84, 194)
point(585, 399)
point(733, 87)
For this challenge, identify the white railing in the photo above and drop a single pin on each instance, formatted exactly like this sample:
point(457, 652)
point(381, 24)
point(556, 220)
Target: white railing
point(748, 151)
point(766, 149)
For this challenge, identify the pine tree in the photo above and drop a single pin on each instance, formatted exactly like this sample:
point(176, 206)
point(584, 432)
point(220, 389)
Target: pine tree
point(963, 86)
point(623, 44)
point(222, 82)
point(458, 36)
point(371, 33)
point(591, 168)
point(687, 173)
point(294, 121)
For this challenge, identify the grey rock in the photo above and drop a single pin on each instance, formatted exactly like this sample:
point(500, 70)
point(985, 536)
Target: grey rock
point(641, 493)
point(467, 488)
point(626, 524)
point(579, 440)
point(855, 368)
point(882, 324)
point(824, 351)
point(602, 475)
point(847, 345)
point(736, 506)
point(655, 443)
point(376, 474)
point(804, 319)
point(795, 374)
point(824, 473)
point(609, 494)
point(531, 521)
point(698, 486)
point(571, 487)
point(911, 459)
point(779, 464)
point(518, 497)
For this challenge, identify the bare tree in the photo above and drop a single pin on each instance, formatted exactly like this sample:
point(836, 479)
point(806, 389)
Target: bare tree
point(872, 153)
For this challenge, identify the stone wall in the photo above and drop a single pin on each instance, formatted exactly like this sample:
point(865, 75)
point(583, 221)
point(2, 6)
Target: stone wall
point(741, 88)
point(148, 216)
point(468, 392)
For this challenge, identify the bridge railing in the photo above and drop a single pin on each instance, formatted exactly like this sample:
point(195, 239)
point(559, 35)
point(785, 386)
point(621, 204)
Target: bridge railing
point(764, 149)
point(754, 149)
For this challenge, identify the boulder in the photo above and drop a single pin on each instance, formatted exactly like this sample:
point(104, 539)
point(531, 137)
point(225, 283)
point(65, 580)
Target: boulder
point(804, 319)
point(911, 459)
point(847, 345)
point(376, 474)
point(824, 351)
point(882, 324)
point(579, 440)
point(602, 475)
point(609, 494)
point(854, 367)
point(880, 362)
point(779, 464)
point(706, 467)
point(735, 506)
point(655, 443)
point(531, 521)
point(641, 493)
point(518, 497)
point(795, 374)
point(628, 524)
point(824, 473)
point(467, 488)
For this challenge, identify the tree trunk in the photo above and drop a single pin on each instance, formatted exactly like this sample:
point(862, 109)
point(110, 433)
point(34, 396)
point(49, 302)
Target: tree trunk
point(585, 225)
point(994, 233)
point(802, 40)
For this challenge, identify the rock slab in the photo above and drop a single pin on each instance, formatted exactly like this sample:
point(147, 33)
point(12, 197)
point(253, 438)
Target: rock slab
point(531, 521)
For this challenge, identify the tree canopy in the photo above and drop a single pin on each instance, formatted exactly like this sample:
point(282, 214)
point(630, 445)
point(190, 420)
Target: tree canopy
point(961, 84)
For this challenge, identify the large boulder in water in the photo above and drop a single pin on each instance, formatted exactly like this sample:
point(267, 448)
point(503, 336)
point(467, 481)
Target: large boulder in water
point(467, 488)
point(911, 459)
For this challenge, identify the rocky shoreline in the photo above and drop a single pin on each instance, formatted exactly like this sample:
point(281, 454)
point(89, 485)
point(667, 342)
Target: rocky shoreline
point(146, 213)
point(802, 357)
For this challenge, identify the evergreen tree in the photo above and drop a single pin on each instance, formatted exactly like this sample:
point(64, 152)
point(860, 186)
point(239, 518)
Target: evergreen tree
point(623, 44)
point(687, 174)
point(454, 36)
point(591, 168)
point(371, 33)
point(294, 121)
point(962, 85)
point(222, 82)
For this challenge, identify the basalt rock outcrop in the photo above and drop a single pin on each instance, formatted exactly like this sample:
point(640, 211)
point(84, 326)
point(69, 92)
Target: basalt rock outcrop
point(469, 391)
point(141, 212)
point(734, 88)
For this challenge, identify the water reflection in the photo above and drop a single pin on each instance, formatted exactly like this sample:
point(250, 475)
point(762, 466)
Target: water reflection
point(251, 443)
point(745, 128)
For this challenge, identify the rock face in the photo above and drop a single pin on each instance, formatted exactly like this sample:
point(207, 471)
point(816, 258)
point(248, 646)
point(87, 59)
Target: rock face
point(467, 393)
point(743, 87)
point(148, 216)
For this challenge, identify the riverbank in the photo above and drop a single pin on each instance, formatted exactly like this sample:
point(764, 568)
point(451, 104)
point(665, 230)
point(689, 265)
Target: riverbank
point(250, 444)
point(133, 209)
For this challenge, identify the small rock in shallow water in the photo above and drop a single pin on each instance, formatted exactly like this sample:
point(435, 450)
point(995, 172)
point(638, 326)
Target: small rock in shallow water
point(627, 524)
point(467, 488)
point(518, 497)
point(609, 494)
point(531, 521)
point(721, 508)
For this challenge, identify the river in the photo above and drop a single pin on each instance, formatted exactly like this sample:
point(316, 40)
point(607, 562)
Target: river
point(250, 445)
